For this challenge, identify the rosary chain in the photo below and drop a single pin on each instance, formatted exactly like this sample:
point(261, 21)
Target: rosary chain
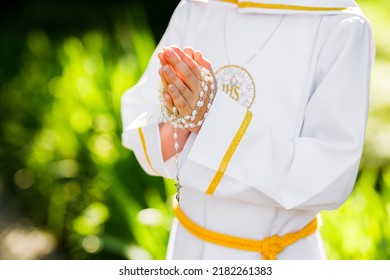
point(187, 121)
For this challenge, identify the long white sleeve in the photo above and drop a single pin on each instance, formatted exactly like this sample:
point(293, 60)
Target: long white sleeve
point(313, 170)
point(140, 105)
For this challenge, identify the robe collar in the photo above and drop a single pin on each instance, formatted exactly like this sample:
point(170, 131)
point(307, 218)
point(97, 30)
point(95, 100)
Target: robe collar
point(295, 6)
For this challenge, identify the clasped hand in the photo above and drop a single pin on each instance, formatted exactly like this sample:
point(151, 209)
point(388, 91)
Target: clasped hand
point(181, 79)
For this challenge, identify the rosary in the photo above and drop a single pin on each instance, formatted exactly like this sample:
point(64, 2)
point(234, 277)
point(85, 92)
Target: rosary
point(188, 121)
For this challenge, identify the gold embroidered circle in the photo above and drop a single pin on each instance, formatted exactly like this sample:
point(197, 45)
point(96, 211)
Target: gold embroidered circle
point(236, 82)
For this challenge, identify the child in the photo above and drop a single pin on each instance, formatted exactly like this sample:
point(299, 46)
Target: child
point(260, 121)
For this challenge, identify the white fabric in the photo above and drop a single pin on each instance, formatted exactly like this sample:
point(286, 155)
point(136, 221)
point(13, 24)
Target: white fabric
point(302, 149)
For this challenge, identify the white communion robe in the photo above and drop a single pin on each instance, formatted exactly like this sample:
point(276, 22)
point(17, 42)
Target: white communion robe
point(301, 151)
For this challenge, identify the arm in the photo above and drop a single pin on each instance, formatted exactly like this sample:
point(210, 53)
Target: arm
point(140, 107)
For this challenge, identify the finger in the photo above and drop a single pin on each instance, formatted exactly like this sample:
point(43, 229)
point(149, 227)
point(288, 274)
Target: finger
point(163, 80)
point(167, 98)
point(160, 56)
point(189, 51)
point(173, 79)
point(189, 61)
point(178, 100)
point(182, 70)
point(168, 101)
point(201, 60)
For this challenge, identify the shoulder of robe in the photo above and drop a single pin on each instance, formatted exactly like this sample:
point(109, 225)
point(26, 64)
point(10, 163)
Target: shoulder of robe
point(345, 32)
point(345, 27)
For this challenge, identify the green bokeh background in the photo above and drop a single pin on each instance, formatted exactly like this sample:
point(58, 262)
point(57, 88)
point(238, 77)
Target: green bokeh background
point(70, 190)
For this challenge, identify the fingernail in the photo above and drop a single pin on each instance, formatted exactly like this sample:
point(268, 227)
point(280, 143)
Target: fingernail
point(168, 53)
point(171, 88)
point(167, 70)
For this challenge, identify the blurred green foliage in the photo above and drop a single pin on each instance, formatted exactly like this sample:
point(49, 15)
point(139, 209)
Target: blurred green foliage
point(61, 149)
point(61, 152)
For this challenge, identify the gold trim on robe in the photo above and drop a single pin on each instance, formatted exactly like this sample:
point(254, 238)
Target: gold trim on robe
point(229, 153)
point(281, 6)
point(142, 137)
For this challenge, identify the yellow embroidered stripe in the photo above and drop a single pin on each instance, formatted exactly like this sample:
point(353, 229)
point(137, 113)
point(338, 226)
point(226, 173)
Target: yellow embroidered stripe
point(141, 135)
point(269, 247)
point(229, 153)
point(281, 6)
point(229, 1)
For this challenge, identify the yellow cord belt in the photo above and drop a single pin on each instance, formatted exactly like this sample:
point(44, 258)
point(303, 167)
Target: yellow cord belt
point(269, 247)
